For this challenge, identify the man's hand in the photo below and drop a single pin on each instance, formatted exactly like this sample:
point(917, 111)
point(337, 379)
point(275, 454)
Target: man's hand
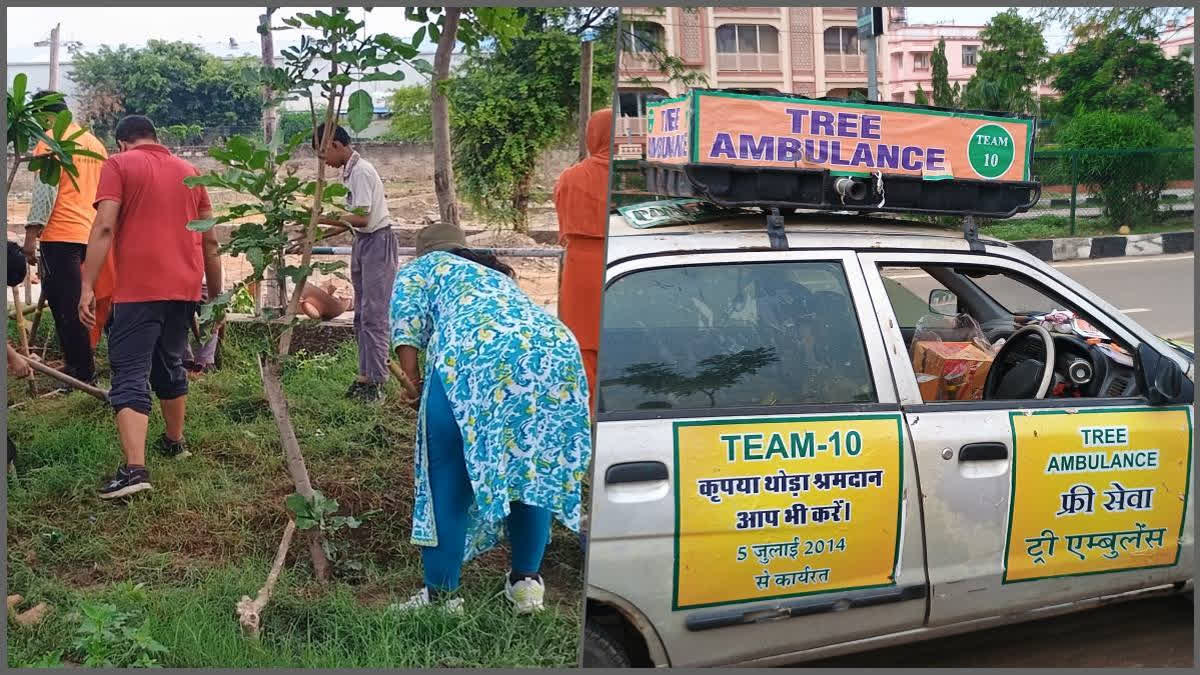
point(87, 306)
point(17, 365)
point(30, 246)
point(412, 399)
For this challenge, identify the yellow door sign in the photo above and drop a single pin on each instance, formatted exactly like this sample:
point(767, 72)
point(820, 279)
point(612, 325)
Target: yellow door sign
point(781, 507)
point(1097, 491)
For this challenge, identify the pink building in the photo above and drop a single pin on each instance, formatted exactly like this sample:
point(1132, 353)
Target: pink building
point(1178, 38)
point(811, 51)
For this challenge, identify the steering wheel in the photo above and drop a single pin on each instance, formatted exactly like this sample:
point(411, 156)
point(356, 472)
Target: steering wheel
point(1022, 369)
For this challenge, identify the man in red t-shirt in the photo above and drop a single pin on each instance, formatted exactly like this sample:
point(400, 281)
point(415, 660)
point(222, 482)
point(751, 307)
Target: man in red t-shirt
point(142, 212)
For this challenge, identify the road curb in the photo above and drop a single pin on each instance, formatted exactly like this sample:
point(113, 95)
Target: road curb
point(1089, 248)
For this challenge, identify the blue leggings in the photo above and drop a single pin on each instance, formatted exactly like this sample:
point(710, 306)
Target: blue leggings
point(450, 487)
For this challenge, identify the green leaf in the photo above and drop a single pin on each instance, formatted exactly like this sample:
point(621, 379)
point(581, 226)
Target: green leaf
point(361, 110)
point(18, 91)
point(380, 76)
point(422, 66)
point(418, 38)
point(203, 225)
point(241, 148)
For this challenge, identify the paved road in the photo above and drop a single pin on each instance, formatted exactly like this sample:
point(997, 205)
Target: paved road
point(1146, 633)
point(1155, 291)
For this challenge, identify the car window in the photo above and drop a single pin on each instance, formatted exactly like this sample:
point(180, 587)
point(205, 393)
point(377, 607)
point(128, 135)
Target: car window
point(730, 336)
point(908, 290)
point(952, 350)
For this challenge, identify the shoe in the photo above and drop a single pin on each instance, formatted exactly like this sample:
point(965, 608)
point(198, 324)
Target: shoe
point(172, 449)
point(527, 595)
point(125, 483)
point(367, 392)
point(420, 600)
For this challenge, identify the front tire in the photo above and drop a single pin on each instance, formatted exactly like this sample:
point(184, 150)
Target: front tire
point(602, 650)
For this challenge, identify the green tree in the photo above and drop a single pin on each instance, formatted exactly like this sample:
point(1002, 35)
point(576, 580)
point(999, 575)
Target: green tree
point(944, 95)
point(412, 120)
point(170, 82)
point(1129, 184)
point(511, 104)
point(919, 96)
point(1124, 70)
point(1012, 60)
point(1134, 19)
point(29, 122)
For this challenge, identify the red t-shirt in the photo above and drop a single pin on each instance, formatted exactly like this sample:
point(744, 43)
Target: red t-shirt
point(156, 256)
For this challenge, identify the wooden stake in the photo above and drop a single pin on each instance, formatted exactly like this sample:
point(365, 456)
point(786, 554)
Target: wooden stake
point(250, 611)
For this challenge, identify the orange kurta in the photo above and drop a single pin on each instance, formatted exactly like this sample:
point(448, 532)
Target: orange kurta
point(581, 203)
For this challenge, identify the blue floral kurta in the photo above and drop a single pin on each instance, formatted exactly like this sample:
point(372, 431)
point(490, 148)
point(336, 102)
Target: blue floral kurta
point(515, 380)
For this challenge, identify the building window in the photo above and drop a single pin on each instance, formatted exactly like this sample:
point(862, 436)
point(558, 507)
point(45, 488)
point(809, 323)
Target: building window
point(747, 47)
point(632, 107)
point(843, 52)
point(641, 37)
point(898, 97)
point(970, 55)
point(921, 61)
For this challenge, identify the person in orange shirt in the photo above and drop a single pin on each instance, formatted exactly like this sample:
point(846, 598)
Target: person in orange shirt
point(581, 203)
point(64, 234)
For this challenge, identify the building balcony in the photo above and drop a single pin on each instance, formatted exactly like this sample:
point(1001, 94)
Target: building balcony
point(846, 63)
point(748, 63)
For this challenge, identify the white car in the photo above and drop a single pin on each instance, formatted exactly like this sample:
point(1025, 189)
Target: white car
point(801, 452)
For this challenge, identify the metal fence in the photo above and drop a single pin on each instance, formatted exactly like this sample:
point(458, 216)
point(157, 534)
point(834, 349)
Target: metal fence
point(1110, 187)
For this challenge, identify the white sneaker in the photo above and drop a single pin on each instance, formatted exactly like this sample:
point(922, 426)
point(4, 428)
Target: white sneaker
point(453, 606)
point(527, 595)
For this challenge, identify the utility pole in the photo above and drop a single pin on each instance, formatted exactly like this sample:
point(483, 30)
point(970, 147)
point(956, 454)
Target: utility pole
point(585, 90)
point(54, 57)
point(870, 25)
point(270, 286)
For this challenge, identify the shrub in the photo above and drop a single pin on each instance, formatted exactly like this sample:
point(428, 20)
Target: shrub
point(1129, 183)
point(412, 120)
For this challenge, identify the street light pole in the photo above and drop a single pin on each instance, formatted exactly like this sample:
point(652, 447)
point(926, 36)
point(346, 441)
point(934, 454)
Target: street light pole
point(54, 58)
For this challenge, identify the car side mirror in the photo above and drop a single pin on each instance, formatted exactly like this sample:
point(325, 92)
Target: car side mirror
point(943, 302)
point(1162, 380)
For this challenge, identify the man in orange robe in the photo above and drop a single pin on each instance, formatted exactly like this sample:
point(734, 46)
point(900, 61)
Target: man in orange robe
point(581, 203)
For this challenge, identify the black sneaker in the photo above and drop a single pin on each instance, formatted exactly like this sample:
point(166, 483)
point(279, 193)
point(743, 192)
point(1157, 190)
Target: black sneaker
point(172, 449)
point(367, 392)
point(127, 482)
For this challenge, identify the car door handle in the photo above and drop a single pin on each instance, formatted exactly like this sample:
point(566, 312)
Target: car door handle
point(978, 452)
point(635, 472)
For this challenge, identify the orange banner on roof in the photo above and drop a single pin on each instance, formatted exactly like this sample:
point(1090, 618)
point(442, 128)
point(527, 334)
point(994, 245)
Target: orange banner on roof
point(716, 127)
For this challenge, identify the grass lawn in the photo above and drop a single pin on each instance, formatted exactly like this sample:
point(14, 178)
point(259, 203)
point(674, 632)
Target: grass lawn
point(1052, 227)
point(176, 561)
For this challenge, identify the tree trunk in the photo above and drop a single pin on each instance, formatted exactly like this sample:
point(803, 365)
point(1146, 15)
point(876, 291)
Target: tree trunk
point(585, 95)
point(521, 203)
point(268, 121)
point(272, 377)
point(443, 169)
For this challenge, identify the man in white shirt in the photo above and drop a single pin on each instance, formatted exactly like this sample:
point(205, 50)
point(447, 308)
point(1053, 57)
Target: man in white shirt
point(374, 260)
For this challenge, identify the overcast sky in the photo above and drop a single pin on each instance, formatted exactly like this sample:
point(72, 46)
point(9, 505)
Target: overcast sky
point(214, 26)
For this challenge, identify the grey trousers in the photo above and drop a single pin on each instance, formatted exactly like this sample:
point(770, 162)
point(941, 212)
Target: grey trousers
point(374, 260)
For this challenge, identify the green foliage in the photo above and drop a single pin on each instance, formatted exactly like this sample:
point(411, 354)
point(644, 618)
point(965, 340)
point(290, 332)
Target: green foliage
point(1129, 183)
point(512, 104)
point(1012, 61)
point(318, 513)
point(1124, 70)
point(944, 95)
point(30, 122)
point(919, 96)
point(104, 639)
point(412, 120)
point(1102, 18)
point(182, 134)
point(294, 122)
point(169, 82)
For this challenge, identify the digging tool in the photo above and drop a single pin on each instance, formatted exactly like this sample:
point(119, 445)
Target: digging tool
point(68, 380)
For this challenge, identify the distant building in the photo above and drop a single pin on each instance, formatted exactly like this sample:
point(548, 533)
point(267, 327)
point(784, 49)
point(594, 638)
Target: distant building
point(1179, 39)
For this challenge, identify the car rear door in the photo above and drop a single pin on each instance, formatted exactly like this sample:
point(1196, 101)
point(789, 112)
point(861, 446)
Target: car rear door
point(1012, 522)
point(752, 473)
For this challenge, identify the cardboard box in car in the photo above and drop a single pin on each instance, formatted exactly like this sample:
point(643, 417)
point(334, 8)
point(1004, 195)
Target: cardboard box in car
point(959, 370)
